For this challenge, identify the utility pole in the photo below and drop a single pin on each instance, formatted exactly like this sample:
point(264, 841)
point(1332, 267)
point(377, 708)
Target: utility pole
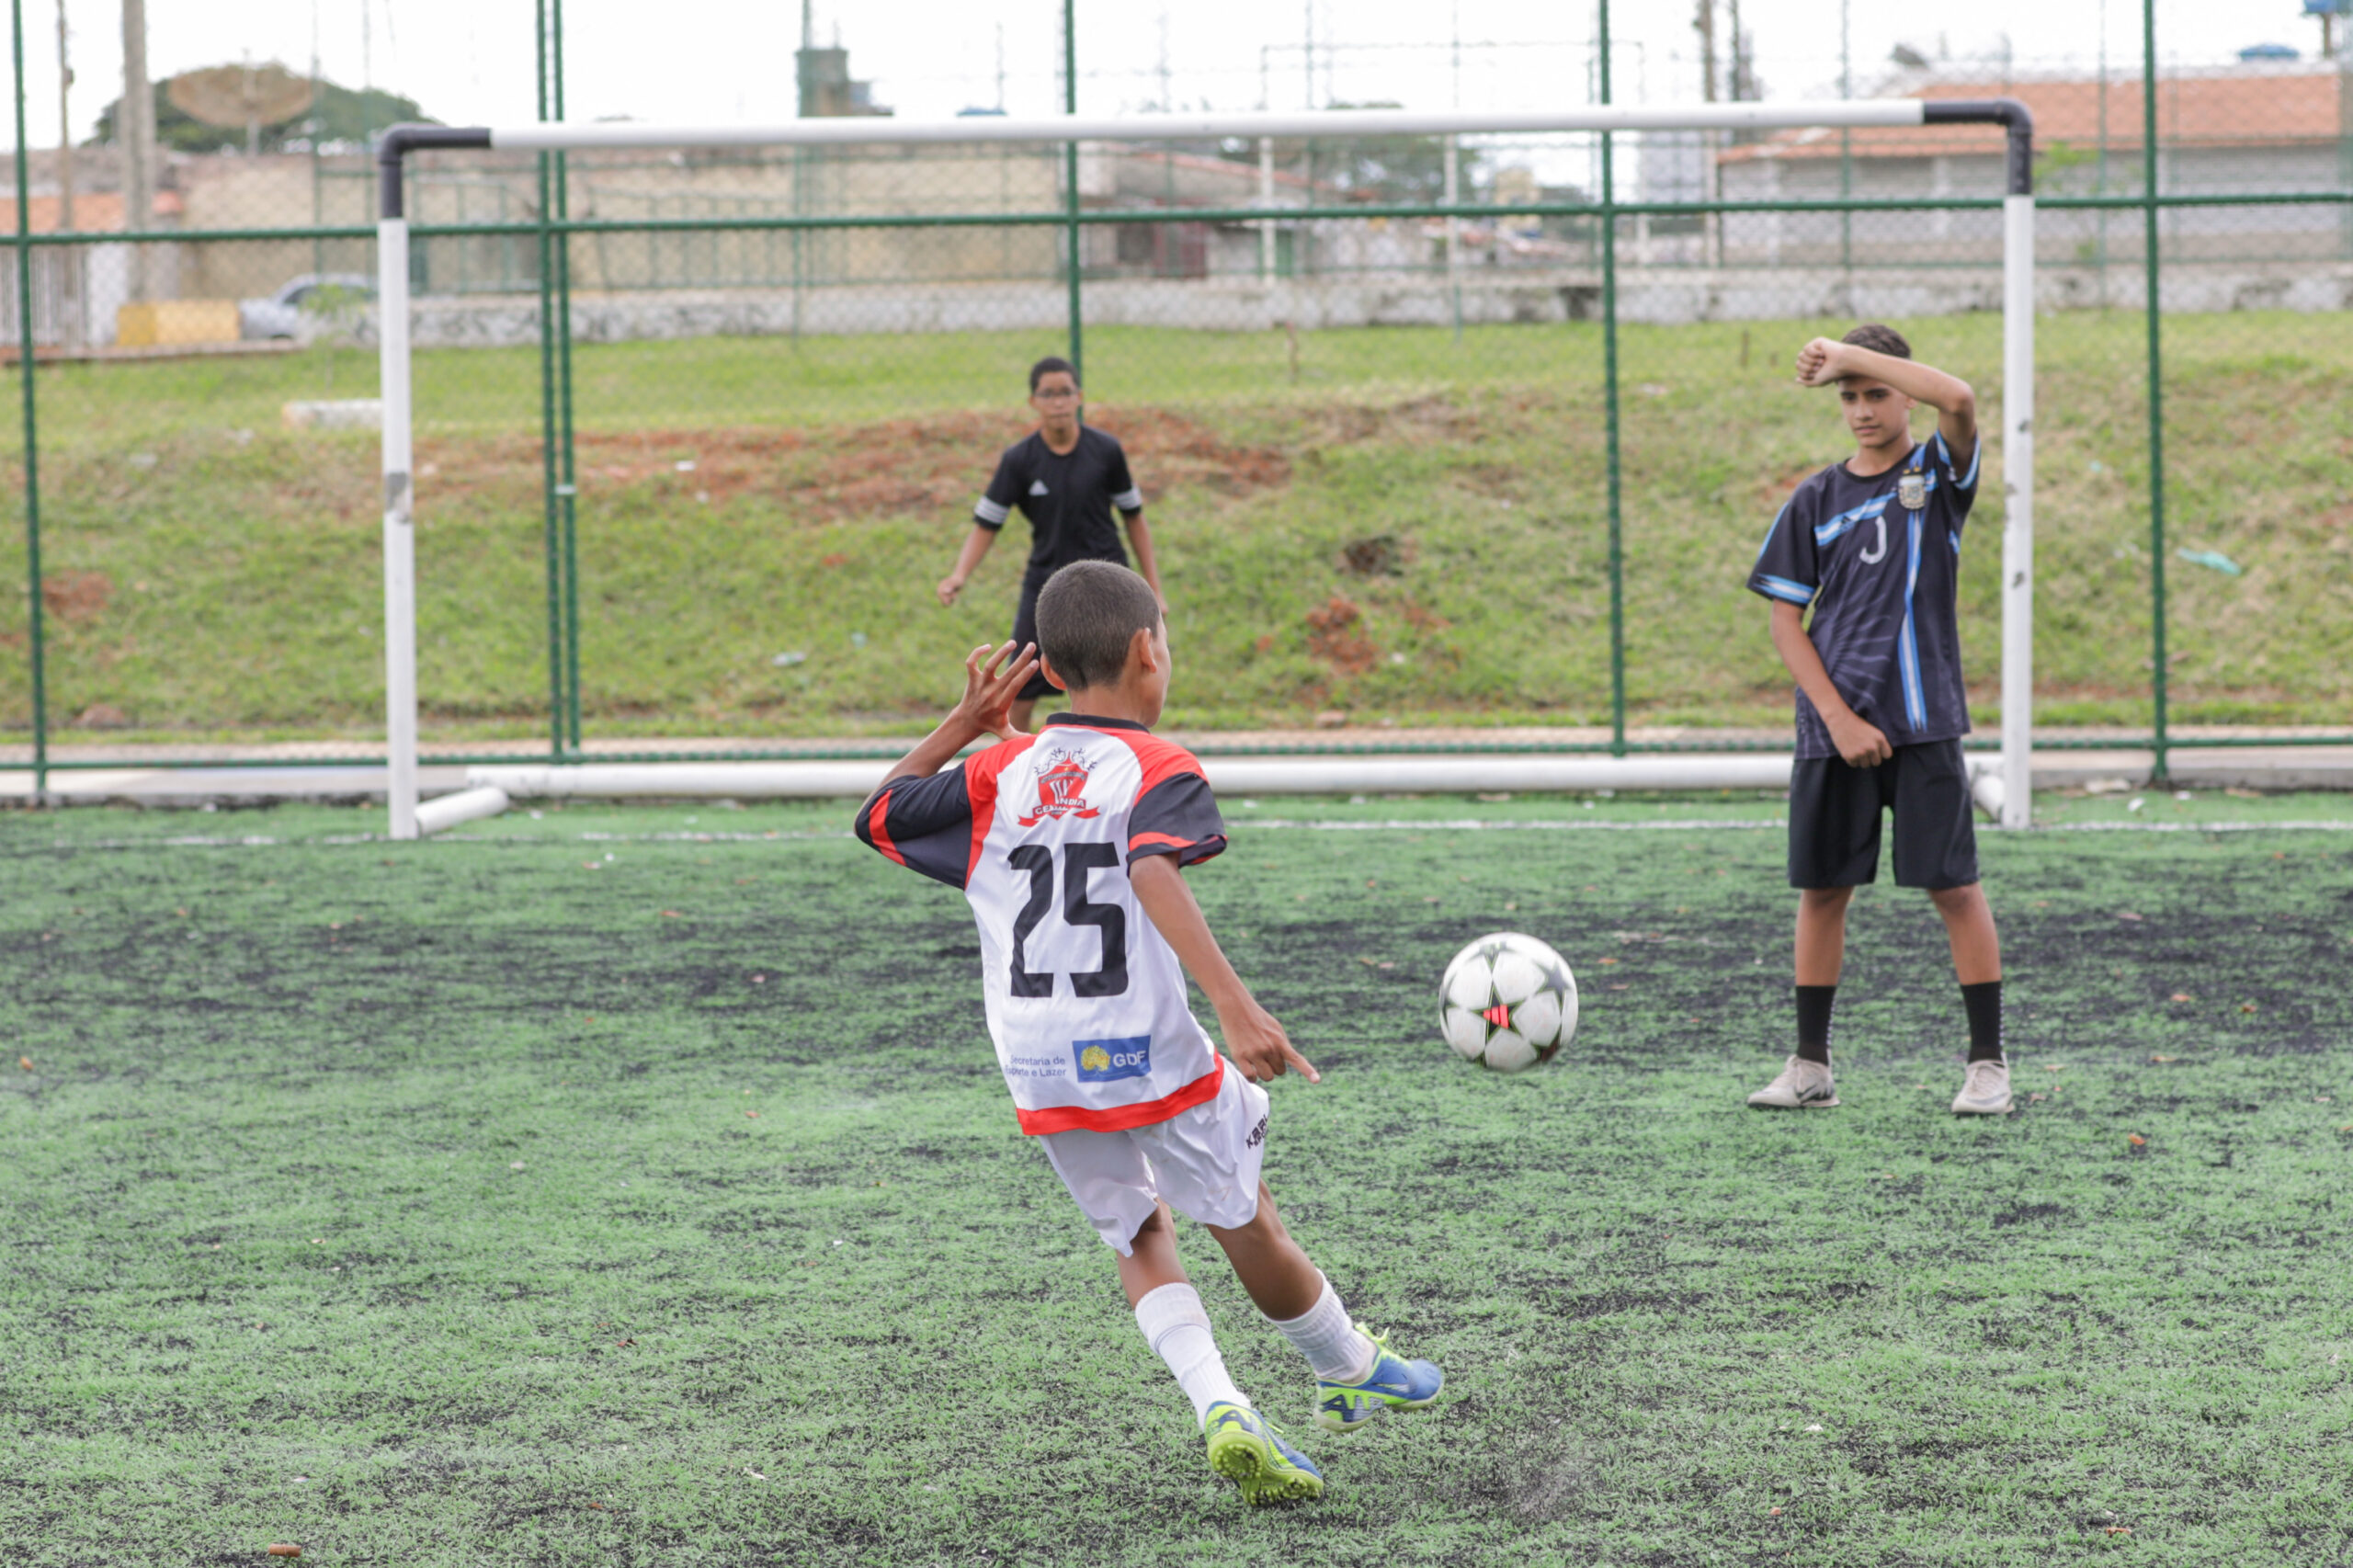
point(1168, 98)
point(68, 260)
point(1705, 24)
point(1307, 51)
point(1712, 231)
point(135, 132)
point(65, 128)
point(1738, 64)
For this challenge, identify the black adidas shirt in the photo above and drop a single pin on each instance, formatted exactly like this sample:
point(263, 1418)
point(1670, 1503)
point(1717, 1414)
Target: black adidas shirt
point(1881, 572)
point(1067, 499)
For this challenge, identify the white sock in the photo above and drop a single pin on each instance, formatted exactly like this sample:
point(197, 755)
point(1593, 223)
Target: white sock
point(1324, 1335)
point(1179, 1330)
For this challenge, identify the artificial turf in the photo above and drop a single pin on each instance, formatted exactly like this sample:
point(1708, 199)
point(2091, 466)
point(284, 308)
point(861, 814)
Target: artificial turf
point(636, 1188)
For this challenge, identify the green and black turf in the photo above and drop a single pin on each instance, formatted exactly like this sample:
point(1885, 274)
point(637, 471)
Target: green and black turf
point(648, 1199)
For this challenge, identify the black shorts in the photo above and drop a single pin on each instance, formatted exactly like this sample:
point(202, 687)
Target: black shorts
point(1025, 631)
point(1834, 819)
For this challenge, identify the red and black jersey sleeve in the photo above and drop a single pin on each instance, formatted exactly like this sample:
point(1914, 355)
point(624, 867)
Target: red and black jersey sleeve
point(926, 824)
point(1175, 814)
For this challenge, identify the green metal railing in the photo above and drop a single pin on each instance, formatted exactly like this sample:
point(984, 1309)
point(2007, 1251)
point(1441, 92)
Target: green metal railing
point(549, 230)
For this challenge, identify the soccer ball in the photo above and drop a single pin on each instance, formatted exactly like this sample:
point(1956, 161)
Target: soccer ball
point(1508, 1002)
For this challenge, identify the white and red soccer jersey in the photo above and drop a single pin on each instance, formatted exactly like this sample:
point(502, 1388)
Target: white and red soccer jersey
point(1086, 1001)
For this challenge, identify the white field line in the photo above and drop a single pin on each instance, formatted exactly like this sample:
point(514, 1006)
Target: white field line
point(1392, 824)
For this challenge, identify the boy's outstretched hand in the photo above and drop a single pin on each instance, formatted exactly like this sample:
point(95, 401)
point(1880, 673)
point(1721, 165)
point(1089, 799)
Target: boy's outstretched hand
point(1258, 1044)
point(989, 691)
point(1817, 363)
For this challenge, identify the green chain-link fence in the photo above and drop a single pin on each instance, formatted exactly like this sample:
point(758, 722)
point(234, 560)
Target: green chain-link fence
point(1463, 436)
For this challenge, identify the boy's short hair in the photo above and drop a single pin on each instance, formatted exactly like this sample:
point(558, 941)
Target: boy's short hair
point(1048, 365)
point(1087, 614)
point(1871, 334)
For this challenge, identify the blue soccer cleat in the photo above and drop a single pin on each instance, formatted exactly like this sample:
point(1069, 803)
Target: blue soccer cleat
point(1249, 1451)
point(1393, 1383)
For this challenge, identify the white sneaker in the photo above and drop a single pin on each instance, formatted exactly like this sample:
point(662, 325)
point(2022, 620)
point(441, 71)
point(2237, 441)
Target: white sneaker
point(1803, 1085)
point(1985, 1092)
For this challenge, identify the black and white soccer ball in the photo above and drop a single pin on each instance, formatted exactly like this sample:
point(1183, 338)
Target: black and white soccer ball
point(1507, 1003)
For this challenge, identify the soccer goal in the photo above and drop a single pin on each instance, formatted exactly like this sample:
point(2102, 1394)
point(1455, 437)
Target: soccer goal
point(2009, 791)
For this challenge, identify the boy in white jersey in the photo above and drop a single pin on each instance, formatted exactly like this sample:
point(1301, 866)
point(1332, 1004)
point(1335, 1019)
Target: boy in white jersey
point(1069, 844)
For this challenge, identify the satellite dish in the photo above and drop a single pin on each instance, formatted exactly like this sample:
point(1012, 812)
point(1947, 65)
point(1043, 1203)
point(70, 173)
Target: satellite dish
point(247, 95)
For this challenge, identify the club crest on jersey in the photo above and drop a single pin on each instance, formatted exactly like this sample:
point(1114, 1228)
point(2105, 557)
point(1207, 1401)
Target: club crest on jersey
point(1912, 492)
point(1103, 1061)
point(1061, 792)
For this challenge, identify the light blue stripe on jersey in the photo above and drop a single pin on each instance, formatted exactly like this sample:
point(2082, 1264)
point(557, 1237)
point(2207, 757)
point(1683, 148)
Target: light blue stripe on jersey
point(1825, 532)
point(1782, 588)
point(1916, 707)
point(1956, 541)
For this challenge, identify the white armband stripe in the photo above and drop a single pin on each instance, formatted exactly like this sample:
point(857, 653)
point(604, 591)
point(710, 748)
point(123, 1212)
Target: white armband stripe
point(1128, 500)
point(990, 513)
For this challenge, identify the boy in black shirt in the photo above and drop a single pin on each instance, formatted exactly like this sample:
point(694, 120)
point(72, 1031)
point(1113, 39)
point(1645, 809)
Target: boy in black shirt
point(1067, 479)
point(1873, 546)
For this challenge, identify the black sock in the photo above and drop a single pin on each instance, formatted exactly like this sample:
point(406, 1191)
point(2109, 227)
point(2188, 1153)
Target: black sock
point(1813, 1022)
point(1983, 1001)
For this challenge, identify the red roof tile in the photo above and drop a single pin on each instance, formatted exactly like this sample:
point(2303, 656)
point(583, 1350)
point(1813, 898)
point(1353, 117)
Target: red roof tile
point(2219, 109)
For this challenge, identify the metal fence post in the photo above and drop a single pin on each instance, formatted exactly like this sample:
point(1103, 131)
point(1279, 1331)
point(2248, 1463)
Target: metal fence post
point(2151, 281)
point(553, 525)
point(1454, 232)
point(1070, 192)
point(35, 629)
point(568, 488)
point(1609, 415)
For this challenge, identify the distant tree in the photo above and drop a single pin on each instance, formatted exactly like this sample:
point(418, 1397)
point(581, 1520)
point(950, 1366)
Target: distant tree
point(341, 114)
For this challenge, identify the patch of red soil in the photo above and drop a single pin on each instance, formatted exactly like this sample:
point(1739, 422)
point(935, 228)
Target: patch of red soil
point(898, 466)
point(76, 596)
point(1332, 636)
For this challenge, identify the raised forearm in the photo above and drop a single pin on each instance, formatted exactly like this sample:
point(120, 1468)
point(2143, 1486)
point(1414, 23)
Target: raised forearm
point(938, 749)
point(1939, 390)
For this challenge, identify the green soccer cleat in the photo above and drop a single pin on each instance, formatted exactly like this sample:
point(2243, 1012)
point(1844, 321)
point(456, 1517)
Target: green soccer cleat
point(1249, 1451)
point(1392, 1384)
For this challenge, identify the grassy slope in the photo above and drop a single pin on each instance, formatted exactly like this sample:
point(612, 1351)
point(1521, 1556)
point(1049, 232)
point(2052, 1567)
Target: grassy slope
point(271, 1272)
point(243, 591)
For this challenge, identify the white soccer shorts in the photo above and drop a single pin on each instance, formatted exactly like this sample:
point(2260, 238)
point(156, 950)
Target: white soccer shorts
point(1202, 1162)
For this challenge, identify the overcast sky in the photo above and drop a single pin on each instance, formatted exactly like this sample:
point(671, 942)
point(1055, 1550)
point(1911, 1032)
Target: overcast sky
point(687, 61)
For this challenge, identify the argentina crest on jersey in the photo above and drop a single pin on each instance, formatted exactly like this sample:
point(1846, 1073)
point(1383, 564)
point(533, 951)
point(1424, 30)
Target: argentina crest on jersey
point(1911, 490)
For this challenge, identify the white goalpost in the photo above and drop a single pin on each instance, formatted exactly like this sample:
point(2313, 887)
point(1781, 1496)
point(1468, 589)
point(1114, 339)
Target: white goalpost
point(2007, 789)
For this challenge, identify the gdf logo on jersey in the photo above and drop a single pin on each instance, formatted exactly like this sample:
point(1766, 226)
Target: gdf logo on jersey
point(1061, 792)
point(1102, 1060)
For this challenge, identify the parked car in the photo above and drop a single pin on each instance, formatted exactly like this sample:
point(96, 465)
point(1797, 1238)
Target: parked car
point(305, 307)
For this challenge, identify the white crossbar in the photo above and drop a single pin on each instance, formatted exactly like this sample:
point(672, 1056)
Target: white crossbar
point(555, 136)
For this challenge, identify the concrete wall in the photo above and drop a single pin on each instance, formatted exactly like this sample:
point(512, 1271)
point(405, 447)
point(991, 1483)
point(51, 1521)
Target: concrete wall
point(1661, 296)
point(2317, 231)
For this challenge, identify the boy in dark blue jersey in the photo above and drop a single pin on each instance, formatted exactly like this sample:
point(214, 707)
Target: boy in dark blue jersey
point(1872, 546)
point(1067, 479)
